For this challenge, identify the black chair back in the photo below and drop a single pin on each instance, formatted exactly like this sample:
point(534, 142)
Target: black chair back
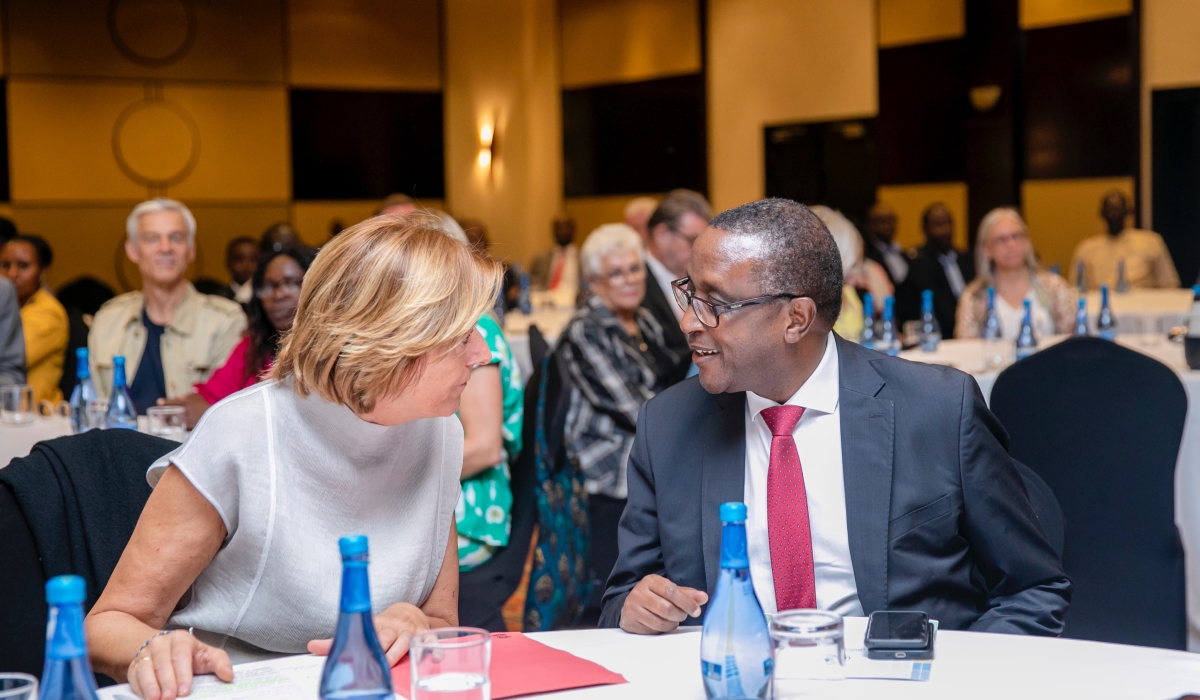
point(1045, 507)
point(1102, 424)
point(538, 347)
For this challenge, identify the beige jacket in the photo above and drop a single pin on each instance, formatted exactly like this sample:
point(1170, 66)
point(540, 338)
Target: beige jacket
point(196, 341)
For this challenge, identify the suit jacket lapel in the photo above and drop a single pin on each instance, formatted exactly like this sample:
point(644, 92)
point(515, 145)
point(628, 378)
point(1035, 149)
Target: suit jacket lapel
point(868, 433)
point(724, 474)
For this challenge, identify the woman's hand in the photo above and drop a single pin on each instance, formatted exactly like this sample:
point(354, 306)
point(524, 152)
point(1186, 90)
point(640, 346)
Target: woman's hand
point(164, 669)
point(395, 628)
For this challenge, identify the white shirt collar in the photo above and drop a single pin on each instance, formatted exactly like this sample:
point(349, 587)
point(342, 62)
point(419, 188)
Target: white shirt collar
point(819, 393)
point(661, 274)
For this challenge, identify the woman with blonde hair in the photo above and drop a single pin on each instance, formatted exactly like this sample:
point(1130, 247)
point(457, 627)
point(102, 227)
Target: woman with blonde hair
point(1004, 260)
point(859, 274)
point(353, 431)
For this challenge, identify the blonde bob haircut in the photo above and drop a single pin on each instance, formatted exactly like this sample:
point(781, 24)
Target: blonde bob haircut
point(378, 299)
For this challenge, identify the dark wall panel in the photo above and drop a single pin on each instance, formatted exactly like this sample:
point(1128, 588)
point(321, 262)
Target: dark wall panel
point(922, 107)
point(635, 137)
point(830, 163)
point(1176, 176)
point(366, 145)
point(1081, 100)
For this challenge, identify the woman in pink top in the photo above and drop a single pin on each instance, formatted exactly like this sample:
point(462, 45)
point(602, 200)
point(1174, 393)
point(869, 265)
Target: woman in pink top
point(271, 311)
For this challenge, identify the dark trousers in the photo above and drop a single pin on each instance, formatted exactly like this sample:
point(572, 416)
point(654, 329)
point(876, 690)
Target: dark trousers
point(605, 515)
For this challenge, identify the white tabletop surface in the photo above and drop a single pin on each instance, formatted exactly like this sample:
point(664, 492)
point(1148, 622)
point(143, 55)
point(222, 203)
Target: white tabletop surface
point(18, 440)
point(966, 665)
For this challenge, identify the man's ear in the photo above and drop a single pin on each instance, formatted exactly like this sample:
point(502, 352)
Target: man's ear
point(802, 318)
point(131, 251)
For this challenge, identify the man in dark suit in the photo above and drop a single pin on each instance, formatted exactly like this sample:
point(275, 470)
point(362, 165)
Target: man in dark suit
point(937, 266)
point(674, 226)
point(871, 482)
point(880, 244)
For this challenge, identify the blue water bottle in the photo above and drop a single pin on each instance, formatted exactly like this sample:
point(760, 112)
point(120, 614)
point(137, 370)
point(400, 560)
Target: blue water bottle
point(83, 393)
point(524, 300)
point(1081, 320)
point(991, 322)
point(867, 337)
point(1026, 339)
point(889, 340)
point(1106, 324)
point(736, 654)
point(67, 674)
point(121, 411)
point(931, 332)
point(356, 667)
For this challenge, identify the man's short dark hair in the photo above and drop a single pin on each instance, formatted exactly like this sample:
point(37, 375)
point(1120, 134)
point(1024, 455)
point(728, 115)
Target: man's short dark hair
point(929, 210)
point(677, 203)
point(240, 240)
point(42, 249)
point(801, 256)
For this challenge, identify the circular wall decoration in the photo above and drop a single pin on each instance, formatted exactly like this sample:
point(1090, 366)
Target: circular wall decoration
point(156, 143)
point(152, 33)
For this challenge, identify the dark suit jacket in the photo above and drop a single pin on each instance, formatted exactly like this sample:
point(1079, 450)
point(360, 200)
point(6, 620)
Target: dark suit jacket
point(925, 272)
point(659, 305)
point(938, 517)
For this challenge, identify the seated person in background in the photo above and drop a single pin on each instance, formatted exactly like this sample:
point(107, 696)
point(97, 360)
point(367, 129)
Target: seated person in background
point(859, 275)
point(557, 270)
point(353, 432)
point(492, 409)
point(12, 340)
point(277, 237)
point(24, 260)
point(637, 216)
point(1148, 263)
point(241, 259)
point(616, 360)
point(276, 285)
point(936, 266)
point(399, 204)
point(871, 483)
point(1004, 260)
point(881, 245)
point(171, 336)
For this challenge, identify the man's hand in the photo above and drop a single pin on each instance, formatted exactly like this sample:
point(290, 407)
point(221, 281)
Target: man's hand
point(395, 628)
point(656, 605)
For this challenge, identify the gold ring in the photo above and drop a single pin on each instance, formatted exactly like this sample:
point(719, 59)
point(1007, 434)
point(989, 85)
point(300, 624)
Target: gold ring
point(144, 658)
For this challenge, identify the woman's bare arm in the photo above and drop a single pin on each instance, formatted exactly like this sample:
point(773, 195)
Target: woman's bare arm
point(482, 414)
point(441, 607)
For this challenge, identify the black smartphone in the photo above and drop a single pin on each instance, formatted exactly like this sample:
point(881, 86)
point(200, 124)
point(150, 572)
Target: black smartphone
point(897, 629)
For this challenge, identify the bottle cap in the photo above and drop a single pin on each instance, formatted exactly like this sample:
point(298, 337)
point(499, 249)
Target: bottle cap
point(62, 590)
point(81, 355)
point(352, 545)
point(927, 296)
point(1196, 289)
point(119, 360)
point(733, 512)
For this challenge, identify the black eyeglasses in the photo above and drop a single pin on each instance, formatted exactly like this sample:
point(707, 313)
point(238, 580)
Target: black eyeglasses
point(709, 313)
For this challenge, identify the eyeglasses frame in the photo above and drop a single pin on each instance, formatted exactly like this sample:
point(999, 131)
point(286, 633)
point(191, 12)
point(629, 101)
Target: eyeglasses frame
point(718, 309)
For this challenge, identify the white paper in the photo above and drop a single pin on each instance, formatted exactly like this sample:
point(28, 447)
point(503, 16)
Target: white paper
point(288, 678)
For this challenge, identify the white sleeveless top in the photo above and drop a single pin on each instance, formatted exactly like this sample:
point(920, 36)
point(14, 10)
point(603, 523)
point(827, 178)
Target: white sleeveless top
point(289, 476)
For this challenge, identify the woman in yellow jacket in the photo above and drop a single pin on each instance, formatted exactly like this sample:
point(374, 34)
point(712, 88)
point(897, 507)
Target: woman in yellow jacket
point(24, 260)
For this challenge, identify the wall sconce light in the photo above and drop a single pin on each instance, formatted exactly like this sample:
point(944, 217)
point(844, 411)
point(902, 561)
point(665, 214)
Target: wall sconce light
point(487, 137)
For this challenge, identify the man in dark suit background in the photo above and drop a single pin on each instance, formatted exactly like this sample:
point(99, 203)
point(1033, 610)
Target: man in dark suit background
point(871, 482)
point(674, 226)
point(937, 266)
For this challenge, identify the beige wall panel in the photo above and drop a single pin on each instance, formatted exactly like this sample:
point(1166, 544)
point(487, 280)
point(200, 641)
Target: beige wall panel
point(216, 225)
point(590, 212)
point(903, 22)
point(244, 150)
point(60, 144)
point(214, 40)
point(1061, 213)
point(314, 219)
point(502, 68)
point(779, 61)
point(1050, 13)
point(910, 201)
point(364, 44)
point(1170, 47)
point(613, 41)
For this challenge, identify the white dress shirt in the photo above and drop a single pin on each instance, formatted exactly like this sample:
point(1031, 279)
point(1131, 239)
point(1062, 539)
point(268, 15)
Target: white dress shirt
point(894, 258)
point(818, 437)
point(949, 263)
point(664, 278)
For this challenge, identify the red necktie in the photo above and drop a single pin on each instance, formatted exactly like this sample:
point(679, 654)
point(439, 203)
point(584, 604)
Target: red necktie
point(787, 514)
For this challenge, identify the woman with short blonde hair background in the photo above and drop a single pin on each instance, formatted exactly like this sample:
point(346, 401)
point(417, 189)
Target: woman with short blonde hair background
point(353, 432)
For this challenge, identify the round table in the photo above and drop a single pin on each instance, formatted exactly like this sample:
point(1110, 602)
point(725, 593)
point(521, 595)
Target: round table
point(967, 355)
point(1144, 310)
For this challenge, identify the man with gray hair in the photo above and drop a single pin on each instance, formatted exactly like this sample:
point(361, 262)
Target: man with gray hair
point(170, 335)
point(871, 482)
point(674, 226)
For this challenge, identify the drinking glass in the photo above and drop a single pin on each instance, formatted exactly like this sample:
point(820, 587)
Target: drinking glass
point(809, 645)
point(166, 422)
point(95, 413)
point(451, 662)
point(911, 333)
point(18, 686)
point(997, 354)
point(16, 404)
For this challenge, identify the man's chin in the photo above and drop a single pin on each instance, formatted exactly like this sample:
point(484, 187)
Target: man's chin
point(711, 382)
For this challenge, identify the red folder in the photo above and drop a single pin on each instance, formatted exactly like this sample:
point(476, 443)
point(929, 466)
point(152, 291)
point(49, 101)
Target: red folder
point(522, 666)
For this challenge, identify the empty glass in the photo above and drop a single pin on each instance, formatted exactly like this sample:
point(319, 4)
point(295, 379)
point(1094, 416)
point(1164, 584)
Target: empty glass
point(95, 412)
point(451, 662)
point(18, 686)
point(809, 645)
point(16, 404)
point(997, 354)
point(166, 422)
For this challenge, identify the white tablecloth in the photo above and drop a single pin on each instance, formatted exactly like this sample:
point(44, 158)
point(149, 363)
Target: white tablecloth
point(17, 440)
point(967, 355)
point(966, 665)
point(1145, 310)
